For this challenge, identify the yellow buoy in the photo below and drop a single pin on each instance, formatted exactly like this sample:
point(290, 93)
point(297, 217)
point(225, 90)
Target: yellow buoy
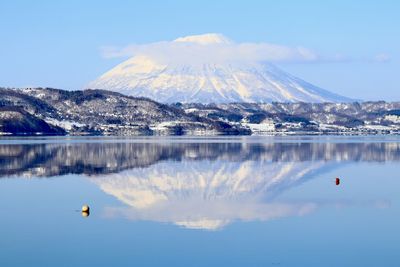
point(85, 208)
point(85, 214)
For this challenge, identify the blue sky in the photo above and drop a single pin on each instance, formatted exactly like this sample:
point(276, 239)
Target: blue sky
point(58, 44)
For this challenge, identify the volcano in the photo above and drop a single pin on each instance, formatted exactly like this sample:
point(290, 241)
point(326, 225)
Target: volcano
point(181, 77)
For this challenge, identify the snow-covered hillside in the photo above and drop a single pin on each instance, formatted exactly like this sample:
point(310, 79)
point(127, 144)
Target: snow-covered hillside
point(208, 81)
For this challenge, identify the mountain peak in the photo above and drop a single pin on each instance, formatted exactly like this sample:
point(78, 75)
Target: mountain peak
point(206, 71)
point(205, 39)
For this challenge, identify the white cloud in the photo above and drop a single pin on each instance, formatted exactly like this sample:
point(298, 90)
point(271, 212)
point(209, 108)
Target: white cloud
point(213, 48)
point(382, 57)
point(216, 48)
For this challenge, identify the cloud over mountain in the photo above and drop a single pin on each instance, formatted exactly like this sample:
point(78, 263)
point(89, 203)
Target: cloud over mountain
point(210, 68)
point(214, 48)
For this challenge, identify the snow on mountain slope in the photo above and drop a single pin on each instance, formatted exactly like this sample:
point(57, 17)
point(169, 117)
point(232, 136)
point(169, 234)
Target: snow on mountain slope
point(208, 81)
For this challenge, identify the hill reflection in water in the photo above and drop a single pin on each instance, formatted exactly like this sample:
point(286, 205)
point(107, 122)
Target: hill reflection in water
point(54, 159)
point(195, 185)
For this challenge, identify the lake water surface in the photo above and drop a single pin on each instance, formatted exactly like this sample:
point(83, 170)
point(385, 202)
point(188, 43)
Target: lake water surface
point(222, 201)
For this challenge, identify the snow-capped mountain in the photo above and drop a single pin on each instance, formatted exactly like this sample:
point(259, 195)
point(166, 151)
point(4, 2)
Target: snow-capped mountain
point(185, 78)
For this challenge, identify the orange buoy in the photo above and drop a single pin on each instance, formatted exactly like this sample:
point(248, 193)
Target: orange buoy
point(337, 181)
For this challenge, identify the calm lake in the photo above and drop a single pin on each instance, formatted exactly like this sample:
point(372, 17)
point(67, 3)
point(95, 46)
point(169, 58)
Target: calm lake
point(186, 201)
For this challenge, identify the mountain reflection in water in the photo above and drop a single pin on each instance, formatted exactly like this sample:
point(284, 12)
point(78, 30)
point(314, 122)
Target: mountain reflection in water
point(195, 185)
